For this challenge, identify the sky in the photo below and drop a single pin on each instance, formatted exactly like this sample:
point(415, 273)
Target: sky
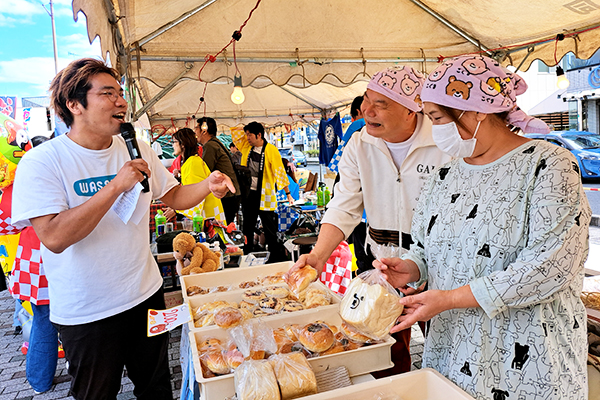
point(27, 55)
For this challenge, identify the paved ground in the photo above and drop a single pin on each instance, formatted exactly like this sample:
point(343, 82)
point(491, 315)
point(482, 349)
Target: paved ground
point(14, 386)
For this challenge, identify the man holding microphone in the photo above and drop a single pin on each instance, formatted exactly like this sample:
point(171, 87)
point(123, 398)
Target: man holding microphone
point(101, 274)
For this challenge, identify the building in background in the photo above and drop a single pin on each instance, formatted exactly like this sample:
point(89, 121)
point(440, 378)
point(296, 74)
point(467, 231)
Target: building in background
point(583, 93)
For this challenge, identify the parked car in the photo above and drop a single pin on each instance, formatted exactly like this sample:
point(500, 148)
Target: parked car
point(287, 152)
point(300, 158)
point(585, 146)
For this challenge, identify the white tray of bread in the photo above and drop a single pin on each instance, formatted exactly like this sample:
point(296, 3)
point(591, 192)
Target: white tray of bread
point(423, 384)
point(233, 279)
point(358, 360)
point(259, 301)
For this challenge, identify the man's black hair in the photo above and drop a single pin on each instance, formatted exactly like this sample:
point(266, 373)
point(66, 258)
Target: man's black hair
point(211, 123)
point(355, 107)
point(255, 128)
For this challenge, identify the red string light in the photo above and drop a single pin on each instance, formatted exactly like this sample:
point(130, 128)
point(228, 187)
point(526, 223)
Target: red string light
point(212, 58)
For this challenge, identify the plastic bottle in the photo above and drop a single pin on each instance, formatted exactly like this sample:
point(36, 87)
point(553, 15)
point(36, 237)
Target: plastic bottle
point(198, 222)
point(161, 222)
point(327, 195)
point(320, 195)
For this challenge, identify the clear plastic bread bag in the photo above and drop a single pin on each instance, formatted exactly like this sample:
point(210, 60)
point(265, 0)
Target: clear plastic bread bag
point(255, 380)
point(294, 375)
point(253, 337)
point(371, 305)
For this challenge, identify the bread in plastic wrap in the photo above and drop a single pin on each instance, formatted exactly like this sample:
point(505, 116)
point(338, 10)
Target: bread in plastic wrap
point(255, 380)
point(294, 375)
point(371, 305)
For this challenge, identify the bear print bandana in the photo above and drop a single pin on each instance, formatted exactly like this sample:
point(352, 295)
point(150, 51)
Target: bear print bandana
point(400, 83)
point(478, 83)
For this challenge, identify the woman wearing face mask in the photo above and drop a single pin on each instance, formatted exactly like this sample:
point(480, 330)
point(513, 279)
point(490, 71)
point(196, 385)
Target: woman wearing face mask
point(501, 235)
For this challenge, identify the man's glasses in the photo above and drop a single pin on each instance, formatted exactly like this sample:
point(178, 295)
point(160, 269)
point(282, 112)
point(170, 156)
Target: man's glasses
point(112, 95)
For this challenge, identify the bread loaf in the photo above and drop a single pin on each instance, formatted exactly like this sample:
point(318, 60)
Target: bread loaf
point(294, 375)
point(370, 308)
point(255, 380)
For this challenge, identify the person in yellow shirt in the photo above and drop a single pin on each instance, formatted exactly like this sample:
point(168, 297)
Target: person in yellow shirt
point(268, 176)
point(194, 170)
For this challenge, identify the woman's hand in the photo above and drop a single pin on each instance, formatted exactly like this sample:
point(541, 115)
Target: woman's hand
point(423, 307)
point(398, 272)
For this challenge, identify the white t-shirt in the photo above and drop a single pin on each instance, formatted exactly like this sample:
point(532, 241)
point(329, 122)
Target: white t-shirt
point(112, 269)
point(400, 150)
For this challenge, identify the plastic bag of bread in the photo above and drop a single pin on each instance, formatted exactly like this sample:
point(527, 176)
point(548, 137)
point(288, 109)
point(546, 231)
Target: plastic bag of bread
point(294, 375)
point(255, 380)
point(299, 279)
point(370, 305)
point(254, 339)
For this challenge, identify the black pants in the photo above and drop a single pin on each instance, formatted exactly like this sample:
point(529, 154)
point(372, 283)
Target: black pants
point(231, 205)
point(97, 352)
point(364, 262)
point(251, 210)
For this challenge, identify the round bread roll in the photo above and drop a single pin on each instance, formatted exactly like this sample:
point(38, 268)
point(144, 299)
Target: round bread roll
point(216, 363)
point(292, 305)
point(352, 334)
point(316, 337)
point(228, 317)
point(292, 331)
point(271, 305)
point(209, 344)
point(246, 305)
point(248, 284)
point(253, 296)
point(277, 291)
point(300, 278)
point(259, 312)
point(233, 358)
point(338, 347)
point(273, 279)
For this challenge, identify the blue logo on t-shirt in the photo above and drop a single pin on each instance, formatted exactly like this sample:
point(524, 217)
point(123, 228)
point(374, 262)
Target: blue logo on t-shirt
point(89, 187)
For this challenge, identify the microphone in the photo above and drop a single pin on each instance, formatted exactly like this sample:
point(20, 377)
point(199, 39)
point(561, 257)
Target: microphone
point(128, 134)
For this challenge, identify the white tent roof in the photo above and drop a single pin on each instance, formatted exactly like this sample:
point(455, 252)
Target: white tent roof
point(315, 49)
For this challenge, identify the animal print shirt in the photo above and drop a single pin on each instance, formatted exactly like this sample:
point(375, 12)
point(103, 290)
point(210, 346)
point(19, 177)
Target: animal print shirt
point(516, 231)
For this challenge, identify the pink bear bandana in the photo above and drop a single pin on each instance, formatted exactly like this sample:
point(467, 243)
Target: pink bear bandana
point(400, 83)
point(478, 83)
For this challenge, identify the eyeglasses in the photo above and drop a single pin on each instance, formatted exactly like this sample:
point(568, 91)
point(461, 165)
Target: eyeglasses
point(112, 95)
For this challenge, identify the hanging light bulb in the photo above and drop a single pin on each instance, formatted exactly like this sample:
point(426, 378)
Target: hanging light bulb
point(204, 126)
point(237, 97)
point(562, 82)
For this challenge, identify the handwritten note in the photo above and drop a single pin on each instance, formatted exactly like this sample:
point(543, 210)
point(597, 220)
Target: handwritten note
point(131, 206)
point(161, 321)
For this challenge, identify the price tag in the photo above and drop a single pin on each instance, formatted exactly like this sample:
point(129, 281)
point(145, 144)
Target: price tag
point(161, 321)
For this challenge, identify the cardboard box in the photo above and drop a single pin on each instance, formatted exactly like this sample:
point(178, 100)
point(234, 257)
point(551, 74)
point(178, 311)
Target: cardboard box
point(423, 384)
point(173, 299)
point(358, 362)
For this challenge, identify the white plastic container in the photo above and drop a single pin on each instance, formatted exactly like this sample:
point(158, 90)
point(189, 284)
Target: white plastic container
point(424, 384)
point(236, 296)
point(361, 361)
point(231, 276)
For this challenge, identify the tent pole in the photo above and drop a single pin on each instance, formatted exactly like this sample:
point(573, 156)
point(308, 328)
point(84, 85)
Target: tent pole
point(162, 93)
point(451, 26)
point(174, 23)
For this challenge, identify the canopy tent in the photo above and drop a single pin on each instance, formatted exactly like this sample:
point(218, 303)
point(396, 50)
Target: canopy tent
point(309, 56)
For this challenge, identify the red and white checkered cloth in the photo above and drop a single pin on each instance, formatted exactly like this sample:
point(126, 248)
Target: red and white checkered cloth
point(337, 273)
point(28, 280)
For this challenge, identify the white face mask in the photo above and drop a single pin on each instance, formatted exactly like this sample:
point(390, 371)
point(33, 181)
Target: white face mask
point(447, 138)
